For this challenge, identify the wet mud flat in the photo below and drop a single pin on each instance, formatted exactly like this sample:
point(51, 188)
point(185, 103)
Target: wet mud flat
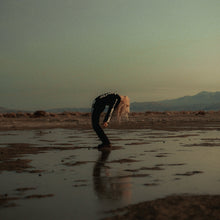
point(172, 207)
point(153, 174)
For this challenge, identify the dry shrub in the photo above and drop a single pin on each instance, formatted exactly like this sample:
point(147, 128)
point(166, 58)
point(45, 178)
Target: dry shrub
point(22, 115)
point(40, 113)
point(53, 115)
point(10, 115)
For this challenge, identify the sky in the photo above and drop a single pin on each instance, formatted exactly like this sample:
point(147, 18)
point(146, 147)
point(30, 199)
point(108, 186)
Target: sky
point(56, 54)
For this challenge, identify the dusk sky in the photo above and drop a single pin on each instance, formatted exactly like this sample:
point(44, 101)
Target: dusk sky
point(57, 53)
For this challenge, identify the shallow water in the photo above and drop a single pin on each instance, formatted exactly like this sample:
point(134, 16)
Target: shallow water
point(143, 165)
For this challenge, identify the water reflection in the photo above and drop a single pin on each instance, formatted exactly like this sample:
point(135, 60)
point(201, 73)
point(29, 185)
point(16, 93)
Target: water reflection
point(108, 187)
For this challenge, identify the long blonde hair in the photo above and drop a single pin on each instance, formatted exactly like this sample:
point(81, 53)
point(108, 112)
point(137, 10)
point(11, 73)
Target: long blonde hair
point(123, 108)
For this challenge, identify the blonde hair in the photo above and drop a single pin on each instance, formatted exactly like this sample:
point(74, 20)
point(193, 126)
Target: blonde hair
point(123, 108)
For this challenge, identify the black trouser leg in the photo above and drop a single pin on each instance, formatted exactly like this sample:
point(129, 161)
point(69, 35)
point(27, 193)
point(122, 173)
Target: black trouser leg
point(97, 110)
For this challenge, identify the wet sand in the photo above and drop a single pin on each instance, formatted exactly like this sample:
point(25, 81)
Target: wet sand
point(172, 207)
point(159, 153)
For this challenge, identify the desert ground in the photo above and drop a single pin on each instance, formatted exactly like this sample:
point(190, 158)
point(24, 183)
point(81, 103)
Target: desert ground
point(152, 120)
point(168, 141)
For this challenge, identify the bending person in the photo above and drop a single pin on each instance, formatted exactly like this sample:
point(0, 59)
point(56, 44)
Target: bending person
point(115, 102)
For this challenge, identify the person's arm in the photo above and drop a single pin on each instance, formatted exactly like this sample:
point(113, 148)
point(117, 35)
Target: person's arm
point(109, 113)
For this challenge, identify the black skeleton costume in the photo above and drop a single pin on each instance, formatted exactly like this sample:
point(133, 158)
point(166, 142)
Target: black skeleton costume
point(108, 99)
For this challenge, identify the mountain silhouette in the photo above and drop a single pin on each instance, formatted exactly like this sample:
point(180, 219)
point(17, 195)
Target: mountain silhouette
point(201, 101)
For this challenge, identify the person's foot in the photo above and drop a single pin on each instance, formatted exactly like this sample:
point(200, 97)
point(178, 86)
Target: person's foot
point(102, 146)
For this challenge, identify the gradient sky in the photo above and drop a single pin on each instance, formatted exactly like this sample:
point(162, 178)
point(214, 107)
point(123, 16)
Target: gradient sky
point(57, 53)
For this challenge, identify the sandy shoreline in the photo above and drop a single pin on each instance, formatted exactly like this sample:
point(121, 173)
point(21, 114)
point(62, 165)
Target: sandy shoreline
point(171, 207)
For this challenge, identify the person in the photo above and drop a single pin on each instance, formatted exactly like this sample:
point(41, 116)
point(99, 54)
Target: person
point(115, 102)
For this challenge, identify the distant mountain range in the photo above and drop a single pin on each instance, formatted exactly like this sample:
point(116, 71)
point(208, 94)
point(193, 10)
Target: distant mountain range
point(59, 110)
point(202, 101)
point(54, 110)
point(6, 110)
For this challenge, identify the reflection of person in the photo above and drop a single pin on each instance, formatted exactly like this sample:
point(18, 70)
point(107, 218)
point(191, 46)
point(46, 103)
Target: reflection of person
point(100, 163)
point(108, 187)
point(102, 183)
point(117, 103)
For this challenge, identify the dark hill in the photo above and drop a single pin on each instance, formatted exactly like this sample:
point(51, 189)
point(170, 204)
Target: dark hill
point(200, 101)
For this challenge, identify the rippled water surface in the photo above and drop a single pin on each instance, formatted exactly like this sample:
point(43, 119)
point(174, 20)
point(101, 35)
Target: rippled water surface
point(84, 182)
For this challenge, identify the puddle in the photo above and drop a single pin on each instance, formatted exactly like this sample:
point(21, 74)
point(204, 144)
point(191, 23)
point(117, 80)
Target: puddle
point(65, 177)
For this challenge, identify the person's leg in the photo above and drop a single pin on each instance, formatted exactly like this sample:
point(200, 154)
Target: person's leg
point(97, 110)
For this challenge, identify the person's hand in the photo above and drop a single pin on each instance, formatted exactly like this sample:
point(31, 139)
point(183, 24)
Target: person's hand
point(105, 124)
